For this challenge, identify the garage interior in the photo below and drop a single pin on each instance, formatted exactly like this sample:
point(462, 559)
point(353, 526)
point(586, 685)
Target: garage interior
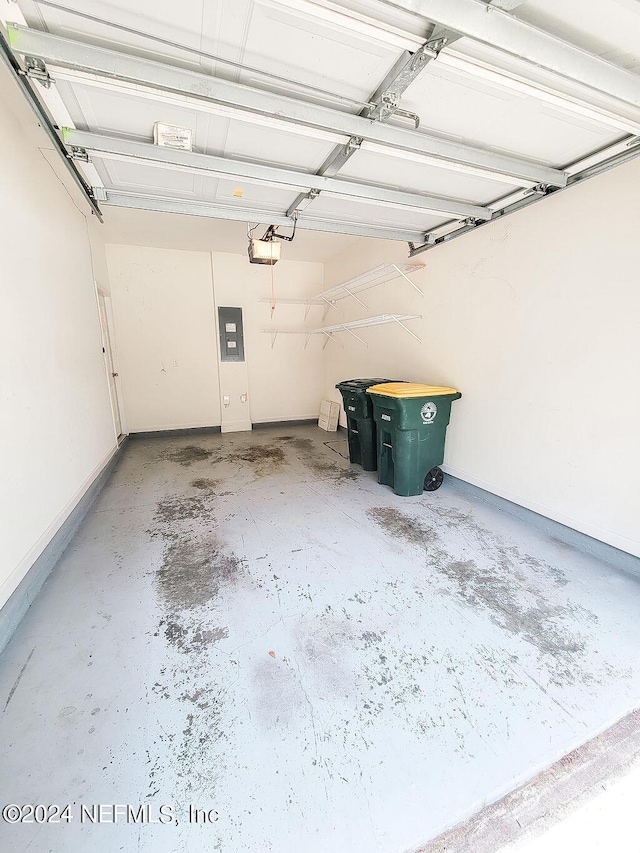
point(204, 604)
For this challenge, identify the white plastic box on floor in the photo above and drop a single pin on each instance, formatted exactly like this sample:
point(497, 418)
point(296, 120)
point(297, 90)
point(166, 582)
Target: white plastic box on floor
point(329, 414)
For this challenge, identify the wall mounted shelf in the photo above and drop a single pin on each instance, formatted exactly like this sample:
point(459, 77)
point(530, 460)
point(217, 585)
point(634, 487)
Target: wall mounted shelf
point(372, 278)
point(330, 331)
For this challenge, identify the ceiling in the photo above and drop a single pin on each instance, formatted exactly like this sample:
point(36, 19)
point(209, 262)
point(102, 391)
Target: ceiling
point(200, 234)
point(494, 127)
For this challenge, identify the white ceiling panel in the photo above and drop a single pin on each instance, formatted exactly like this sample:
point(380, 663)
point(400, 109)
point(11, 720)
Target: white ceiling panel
point(251, 142)
point(223, 32)
point(268, 37)
point(461, 106)
point(510, 64)
point(139, 177)
point(255, 195)
point(174, 22)
point(609, 29)
point(356, 211)
point(292, 45)
point(103, 111)
point(123, 175)
point(411, 174)
point(110, 107)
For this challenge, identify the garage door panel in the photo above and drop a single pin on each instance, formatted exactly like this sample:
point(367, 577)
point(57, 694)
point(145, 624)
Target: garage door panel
point(413, 176)
point(462, 107)
point(372, 214)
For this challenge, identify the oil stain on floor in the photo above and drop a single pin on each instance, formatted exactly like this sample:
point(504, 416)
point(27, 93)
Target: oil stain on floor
point(330, 666)
point(524, 603)
point(196, 569)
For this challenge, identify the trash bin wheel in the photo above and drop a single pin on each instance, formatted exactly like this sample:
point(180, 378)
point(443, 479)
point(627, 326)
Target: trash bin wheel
point(433, 480)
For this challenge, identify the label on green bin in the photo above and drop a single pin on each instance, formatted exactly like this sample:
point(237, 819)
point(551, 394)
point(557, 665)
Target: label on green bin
point(428, 412)
point(386, 417)
point(352, 408)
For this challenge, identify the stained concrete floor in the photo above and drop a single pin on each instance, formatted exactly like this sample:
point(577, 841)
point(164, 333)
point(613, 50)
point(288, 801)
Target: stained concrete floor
point(249, 624)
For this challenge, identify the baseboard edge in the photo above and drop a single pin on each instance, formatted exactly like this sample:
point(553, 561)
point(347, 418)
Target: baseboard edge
point(27, 590)
point(170, 433)
point(616, 557)
point(293, 422)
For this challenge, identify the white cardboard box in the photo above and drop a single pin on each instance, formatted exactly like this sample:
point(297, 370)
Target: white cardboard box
point(329, 414)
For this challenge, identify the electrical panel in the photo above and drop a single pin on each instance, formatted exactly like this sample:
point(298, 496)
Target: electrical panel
point(231, 334)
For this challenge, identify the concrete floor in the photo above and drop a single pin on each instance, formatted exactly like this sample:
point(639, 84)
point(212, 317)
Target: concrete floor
point(247, 623)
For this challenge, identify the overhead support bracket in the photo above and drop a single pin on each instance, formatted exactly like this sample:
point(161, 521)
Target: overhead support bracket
point(490, 25)
point(540, 189)
point(37, 70)
point(339, 157)
point(331, 166)
point(386, 99)
point(440, 38)
point(302, 202)
point(385, 104)
point(77, 153)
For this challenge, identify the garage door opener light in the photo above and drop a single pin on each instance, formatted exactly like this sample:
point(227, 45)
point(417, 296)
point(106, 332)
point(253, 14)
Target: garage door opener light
point(267, 250)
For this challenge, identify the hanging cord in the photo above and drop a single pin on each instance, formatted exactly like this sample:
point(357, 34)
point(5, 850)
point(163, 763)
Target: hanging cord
point(250, 233)
point(273, 288)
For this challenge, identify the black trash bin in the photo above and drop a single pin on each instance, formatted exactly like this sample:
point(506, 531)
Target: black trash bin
point(361, 427)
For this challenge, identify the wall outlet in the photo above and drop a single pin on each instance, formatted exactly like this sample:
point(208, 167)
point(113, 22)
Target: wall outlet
point(226, 401)
point(243, 398)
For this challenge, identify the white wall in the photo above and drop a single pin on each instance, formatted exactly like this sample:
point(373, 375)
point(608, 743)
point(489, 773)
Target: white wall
point(165, 337)
point(536, 319)
point(165, 308)
point(286, 380)
point(98, 254)
point(56, 430)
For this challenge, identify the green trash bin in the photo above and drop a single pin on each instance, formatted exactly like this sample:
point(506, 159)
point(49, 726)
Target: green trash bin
point(411, 422)
point(361, 427)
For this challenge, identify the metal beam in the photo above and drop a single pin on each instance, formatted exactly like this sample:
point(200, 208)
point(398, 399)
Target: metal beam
point(491, 26)
point(505, 5)
point(41, 114)
point(191, 161)
point(386, 100)
point(631, 152)
point(116, 198)
point(387, 96)
point(121, 66)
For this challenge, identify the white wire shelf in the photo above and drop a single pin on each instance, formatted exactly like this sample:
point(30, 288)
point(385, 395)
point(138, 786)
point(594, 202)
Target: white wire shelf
point(330, 331)
point(372, 278)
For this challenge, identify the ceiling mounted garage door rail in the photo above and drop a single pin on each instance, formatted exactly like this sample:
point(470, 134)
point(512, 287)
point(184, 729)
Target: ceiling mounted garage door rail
point(119, 66)
point(491, 26)
point(188, 207)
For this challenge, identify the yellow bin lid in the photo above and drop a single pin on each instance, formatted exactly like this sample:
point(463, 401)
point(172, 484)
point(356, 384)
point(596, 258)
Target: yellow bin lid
point(410, 389)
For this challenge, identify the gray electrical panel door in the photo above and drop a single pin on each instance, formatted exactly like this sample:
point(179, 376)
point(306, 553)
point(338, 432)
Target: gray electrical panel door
point(231, 335)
